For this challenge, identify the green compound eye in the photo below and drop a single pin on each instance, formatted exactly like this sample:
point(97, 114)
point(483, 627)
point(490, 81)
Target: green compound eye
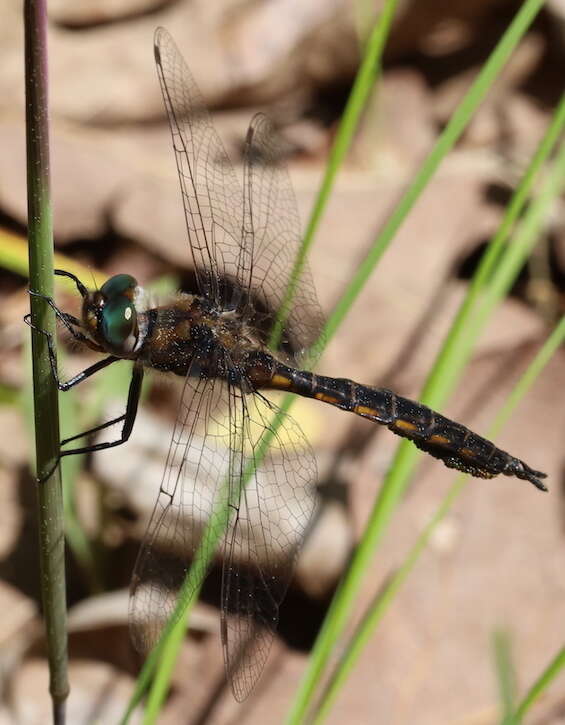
point(118, 314)
point(118, 321)
point(118, 285)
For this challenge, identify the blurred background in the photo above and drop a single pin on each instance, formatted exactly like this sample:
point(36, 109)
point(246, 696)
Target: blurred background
point(497, 560)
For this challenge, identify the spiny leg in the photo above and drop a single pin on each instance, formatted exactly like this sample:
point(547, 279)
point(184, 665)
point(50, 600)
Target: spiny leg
point(69, 321)
point(79, 377)
point(80, 287)
point(128, 417)
point(135, 386)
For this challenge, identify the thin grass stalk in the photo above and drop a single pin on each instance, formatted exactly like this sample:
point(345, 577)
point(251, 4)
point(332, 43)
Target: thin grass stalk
point(14, 256)
point(524, 239)
point(457, 124)
point(397, 479)
point(555, 667)
point(455, 351)
point(165, 660)
point(390, 494)
point(360, 93)
point(40, 235)
point(497, 270)
point(376, 611)
point(505, 675)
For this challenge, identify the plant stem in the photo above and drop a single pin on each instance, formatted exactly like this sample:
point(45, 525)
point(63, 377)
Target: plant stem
point(40, 235)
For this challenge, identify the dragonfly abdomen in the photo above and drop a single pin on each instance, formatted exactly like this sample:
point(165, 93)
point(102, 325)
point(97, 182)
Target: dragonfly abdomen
point(453, 443)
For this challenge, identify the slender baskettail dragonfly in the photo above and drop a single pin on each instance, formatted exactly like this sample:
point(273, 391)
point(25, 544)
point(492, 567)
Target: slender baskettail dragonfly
point(243, 240)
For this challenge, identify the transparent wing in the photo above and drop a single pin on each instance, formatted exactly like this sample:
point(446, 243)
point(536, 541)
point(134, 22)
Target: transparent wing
point(215, 444)
point(249, 239)
point(272, 237)
point(211, 192)
point(197, 462)
point(272, 511)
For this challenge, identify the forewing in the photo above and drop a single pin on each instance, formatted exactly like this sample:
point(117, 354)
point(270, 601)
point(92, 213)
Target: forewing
point(191, 489)
point(270, 514)
point(253, 239)
point(211, 193)
point(272, 237)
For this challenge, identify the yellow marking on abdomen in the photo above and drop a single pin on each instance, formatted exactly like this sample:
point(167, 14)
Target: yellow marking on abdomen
point(326, 398)
point(467, 452)
point(439, 439)
point(363, 410)
point(281, 381)
point(405, 425)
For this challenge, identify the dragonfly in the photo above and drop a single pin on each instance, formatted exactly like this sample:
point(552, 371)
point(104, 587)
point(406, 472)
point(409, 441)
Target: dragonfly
point(243, 240)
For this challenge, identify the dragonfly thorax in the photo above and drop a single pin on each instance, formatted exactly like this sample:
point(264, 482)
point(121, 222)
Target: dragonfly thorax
point(191, 335)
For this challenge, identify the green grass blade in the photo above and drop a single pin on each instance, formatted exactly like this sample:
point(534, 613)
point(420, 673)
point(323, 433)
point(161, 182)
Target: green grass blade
point(384, 599)
point(40, 235)
point(555, 667)
point(552, 344)
point(14, 258)
point(455, 350)
point(360, 93)
point(377, 610)
point(166, 664)
point(523, 241)
point(444, 144)
point(506, 675)
point(406, 458)
point(176, 629)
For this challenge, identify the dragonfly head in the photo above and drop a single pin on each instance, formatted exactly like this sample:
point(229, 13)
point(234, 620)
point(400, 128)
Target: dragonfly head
point(109, 315)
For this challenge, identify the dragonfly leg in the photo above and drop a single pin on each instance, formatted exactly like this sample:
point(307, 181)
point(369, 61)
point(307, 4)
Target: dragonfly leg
point(97, 428)
point(79, 377)
point(80, 287)
point(70, 322)
point(128, 417)
point(67, 319)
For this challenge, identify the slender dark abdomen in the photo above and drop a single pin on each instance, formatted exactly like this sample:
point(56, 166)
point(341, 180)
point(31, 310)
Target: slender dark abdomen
point(451, 442)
